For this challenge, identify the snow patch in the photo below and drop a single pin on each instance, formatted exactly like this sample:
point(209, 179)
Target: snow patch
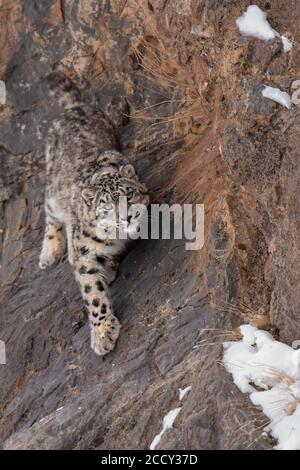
point(275, 94)
point(167, 424)
point(287, 45)
point(183, 392)
point(2, 92)
point(258, 360)
point(253, 22)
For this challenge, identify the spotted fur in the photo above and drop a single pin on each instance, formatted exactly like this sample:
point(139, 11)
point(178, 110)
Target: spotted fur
point(85, 178)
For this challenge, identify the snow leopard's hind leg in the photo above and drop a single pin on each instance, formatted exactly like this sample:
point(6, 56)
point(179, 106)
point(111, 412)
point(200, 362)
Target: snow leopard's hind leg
point(54, 241)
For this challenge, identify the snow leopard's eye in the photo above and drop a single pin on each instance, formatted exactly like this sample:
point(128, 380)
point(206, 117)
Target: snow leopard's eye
point(130, 195)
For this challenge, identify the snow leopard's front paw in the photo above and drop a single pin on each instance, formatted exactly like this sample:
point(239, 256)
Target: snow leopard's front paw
point(104, 335)
point(53, 247)
point(48, 258)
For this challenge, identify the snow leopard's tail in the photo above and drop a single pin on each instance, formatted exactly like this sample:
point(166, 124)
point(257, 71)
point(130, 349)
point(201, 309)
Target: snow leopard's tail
point(64, 90)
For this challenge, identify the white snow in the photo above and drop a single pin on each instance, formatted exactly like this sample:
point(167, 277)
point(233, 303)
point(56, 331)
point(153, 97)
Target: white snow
point(170, 417)
point(2, 92)
point(258, 362)
point(275, 94)
point(167, 424)
point(183, 392)
point(254, 23)
point(287, 45)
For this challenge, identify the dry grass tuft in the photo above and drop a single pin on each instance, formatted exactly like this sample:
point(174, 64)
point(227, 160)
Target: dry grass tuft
point(175, 84)
point(248, 315)
point(245, 315)
point(218, 336)
point(181, 108)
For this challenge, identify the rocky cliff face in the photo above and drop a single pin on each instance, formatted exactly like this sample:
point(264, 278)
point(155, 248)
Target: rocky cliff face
point(183, 89)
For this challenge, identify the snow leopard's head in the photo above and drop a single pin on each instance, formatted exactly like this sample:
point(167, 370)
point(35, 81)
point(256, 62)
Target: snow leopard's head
point(115, 202)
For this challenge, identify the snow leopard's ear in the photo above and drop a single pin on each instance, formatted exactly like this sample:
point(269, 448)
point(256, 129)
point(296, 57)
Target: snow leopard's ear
point(128, 171)
point(143, 188)
point(88, 195)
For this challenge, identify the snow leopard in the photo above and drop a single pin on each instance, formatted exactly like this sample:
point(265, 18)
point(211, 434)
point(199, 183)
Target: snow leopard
point(86, 176)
